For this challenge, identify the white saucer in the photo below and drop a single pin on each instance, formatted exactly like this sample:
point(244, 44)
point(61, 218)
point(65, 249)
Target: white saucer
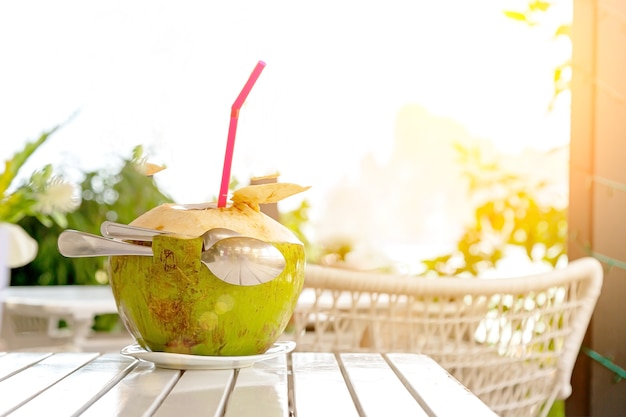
point(182, 361)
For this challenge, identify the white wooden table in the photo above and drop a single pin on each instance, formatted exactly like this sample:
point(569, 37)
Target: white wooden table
point(293, 384)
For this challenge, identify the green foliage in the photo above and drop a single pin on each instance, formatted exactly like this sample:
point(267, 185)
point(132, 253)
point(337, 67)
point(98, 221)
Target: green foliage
point(531, 16)
point(561, 80)
point(335, 252)
point(13, 165)
point(18, 201)
point(119, 196)
point(509, 213)
point(296, 220)
point(535, 11)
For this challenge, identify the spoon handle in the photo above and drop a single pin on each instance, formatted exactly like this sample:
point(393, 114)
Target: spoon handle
point(125, 231)
point(75, 244)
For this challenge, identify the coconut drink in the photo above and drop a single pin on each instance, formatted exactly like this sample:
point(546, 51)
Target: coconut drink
point(171, 302)
point(172, 294)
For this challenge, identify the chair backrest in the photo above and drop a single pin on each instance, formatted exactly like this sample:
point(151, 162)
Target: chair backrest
point(512, 341)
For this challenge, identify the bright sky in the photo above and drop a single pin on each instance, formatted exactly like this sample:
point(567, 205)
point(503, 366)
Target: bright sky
point(164, 74)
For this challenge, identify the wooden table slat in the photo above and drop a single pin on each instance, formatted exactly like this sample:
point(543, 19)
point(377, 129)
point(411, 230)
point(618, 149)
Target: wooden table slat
point(304, 384)
point(320, 389)
point(261, 391)
point(435, 388)
point(394, 400)
point(70, 394)
point(198, 393)
point(14, 362)
point(142, 391)
point(20, 387)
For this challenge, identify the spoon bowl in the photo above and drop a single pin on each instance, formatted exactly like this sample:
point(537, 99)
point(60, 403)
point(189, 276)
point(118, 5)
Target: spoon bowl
point(242, 260)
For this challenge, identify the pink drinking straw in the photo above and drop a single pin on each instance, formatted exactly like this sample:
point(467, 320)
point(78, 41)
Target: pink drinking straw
point(232, 131)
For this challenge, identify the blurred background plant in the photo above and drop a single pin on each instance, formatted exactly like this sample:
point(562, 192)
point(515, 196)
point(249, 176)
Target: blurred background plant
point(117, 195)
point(45, 197)
point(513, 210)
point(535, 15)
point(45, 205)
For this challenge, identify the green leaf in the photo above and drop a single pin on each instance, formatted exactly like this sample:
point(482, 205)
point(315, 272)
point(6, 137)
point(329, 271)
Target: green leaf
point(539, 5)
point(558, 74)
point(522, 17)
point(563, 30)
point(12, 166)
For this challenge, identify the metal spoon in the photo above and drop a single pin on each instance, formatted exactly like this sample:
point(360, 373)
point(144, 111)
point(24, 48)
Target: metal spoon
point(127, 232)
point(230, 260)
point(237, 260)
point(76, 244)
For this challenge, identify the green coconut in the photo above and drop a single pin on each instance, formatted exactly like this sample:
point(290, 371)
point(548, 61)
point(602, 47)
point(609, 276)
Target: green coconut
point(171, 302)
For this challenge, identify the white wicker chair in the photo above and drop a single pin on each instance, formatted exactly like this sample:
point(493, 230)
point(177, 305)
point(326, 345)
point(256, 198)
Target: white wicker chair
point(512, 341)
